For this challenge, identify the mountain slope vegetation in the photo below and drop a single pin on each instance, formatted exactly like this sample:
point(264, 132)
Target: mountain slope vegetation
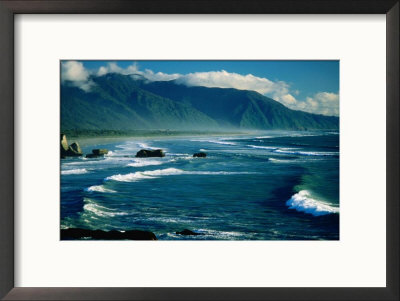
point(124, 102)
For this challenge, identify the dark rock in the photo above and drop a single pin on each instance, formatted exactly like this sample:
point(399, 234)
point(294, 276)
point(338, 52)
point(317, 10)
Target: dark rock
point(91, 156)
point(64, 143)
point(78, 233)
point(145, 153)
point(74, 150)
point(200, 155)
point(100, 151)
point(96, 153)
point(188, 232)
point(69, 151)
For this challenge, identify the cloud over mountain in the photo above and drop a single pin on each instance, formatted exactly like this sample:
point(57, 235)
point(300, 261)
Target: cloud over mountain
point(325, 103)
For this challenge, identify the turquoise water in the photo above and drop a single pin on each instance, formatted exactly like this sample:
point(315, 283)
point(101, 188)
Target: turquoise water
point(265, 186)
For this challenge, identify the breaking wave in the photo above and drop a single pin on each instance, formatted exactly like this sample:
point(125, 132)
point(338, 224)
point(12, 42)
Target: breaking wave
point(78, 171)
point(144, 162)
point(263, 147)
point(99, 188)
point(302, 202)
point(304, 153)
point(151, 174)
point(215, 141)
point(263, 137)
point(102, 211)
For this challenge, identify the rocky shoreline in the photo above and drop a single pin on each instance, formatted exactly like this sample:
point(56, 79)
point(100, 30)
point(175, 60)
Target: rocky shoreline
point(87, 234)
point(74, 150)
point(78, 233)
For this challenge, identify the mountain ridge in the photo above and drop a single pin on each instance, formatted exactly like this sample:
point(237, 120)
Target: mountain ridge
point(128, 102)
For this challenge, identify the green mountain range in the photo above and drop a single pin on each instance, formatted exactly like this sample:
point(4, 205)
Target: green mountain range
point(130, 102)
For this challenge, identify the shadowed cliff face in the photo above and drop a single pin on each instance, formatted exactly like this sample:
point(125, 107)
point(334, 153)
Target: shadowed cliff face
point(123, 102)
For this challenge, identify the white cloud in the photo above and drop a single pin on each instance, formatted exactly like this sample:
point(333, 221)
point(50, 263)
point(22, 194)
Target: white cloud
point(288, 99)
point(76, 73)
point(325, 103)
point(159, 76)
point(112, 67)
point(133, 69)
point(73, 71)
point(224, 79)
point(278, 90)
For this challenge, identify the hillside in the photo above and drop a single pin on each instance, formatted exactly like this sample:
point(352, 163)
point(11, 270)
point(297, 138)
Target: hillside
point(124, 102)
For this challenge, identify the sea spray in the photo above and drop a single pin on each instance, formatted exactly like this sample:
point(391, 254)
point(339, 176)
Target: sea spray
point(303, 202)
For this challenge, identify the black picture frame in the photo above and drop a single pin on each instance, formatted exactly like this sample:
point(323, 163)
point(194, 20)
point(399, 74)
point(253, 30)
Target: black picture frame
point(9, 8)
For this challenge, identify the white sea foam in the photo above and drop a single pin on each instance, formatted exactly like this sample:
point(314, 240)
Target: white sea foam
point(146, 146)
point(74, 171)
point(302, 202)
point(263, 137)
point(102, 211)
point(304, 153)
point(279, 160)
point(177, 154)
point(145, 162)
point(206, 234)
point(151, 174)
point(214, 141)
point(99, 188)
point(130, 177)
point(219, 234)
point(263, 147)
point(188, 157)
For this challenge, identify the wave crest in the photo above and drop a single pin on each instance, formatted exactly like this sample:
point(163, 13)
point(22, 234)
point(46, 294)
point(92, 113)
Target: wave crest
point(102, 211)
point(151, 174)
point(144, 162)
point(99, 188)
point(263, 147)
point(306, 153)
point(77, 171)
point(214, 141)
point(302, 202)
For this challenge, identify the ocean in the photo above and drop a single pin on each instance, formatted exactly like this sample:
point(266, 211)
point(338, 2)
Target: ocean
point(273, 185)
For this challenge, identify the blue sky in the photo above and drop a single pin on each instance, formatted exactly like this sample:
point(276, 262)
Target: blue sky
point(311, 86)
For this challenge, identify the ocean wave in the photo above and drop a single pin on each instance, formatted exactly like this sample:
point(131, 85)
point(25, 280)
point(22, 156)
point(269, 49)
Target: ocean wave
point(263, 147)
point(306, 153)
point(206, 234)
point(219, 234)
point(263, 137)
point(177, 155)
point(279, 160)
point(99, 188)
point(215, 141)
point(169, 220)
point(182, 158)
point(102, 211)
point(302, 202)
point(146, 146)
point(151, 174)
point(78, 171)
point(134, 146)
point(144, 162)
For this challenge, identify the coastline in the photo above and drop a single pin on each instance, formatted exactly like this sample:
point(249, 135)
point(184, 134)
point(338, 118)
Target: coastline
point(89, 139)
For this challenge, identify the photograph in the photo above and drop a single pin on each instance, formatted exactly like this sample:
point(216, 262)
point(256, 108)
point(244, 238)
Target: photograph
point(232, 150)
